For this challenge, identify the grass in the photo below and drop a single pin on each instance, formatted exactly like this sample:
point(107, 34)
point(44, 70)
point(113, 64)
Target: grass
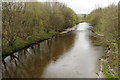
point(20, 43)
point(106, 72)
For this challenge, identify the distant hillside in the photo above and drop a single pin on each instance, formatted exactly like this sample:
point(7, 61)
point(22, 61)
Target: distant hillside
point(82, 16)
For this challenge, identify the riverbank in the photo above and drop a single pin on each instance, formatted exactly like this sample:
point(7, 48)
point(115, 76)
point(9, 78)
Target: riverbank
point(105, 24)
point(97, 41)
point(20, 44)
point(23, 27)
point(25, 44)
point(106, 61)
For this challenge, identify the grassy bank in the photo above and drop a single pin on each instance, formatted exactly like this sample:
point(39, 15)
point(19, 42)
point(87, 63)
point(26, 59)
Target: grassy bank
point(26, 23)
point(21, 44)
point(106, 71)
point(105, 22)
point(105, 58)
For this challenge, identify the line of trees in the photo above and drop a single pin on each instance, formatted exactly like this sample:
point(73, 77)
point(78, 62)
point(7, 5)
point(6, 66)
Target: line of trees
point(25, 22)
point(105, 21)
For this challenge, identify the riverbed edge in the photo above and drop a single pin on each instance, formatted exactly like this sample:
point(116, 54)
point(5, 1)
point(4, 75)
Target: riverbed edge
point(103, 62)
point(4, 55)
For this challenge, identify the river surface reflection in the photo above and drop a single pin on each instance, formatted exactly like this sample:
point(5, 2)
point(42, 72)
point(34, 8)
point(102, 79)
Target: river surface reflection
point(69, 55)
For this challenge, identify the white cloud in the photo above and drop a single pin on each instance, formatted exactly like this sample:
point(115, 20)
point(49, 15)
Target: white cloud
point(85, 6)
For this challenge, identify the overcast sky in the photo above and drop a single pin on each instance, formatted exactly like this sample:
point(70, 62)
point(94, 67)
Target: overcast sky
point(86, 6)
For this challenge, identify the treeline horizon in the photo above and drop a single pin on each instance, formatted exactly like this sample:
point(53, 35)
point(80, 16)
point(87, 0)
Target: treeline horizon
point(25, 22)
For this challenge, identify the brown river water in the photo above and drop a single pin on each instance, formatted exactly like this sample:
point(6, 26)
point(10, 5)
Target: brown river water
point(69, 55)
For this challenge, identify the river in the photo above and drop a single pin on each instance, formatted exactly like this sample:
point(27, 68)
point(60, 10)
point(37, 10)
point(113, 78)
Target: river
point(68, 55)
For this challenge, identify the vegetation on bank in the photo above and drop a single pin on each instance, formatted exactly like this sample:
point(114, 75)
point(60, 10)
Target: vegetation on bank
point(105, 22)
point(25, 23)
